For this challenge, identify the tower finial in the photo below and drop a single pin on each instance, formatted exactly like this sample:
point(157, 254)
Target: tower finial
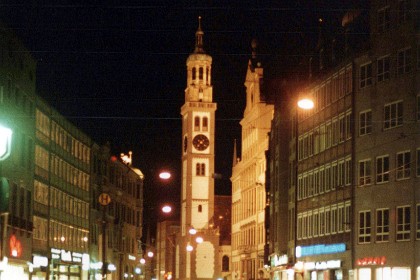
point(199, 23)
point(199, 38)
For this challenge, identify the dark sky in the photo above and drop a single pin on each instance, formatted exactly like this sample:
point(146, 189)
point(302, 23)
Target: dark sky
point(117, 70)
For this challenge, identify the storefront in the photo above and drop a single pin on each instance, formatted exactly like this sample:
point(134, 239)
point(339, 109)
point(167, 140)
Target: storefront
point(67, 265)
point(376, 267)
point(323, 262)
point(324, 270)
point(280, 269)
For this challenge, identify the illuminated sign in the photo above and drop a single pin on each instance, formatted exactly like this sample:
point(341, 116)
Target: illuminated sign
point(15, 247)
point(5, 142)
point(322, 265)
point(320, 249)
point(69, 256)
point(277, 260)
point(40, 261)
point(131, 257)
point(371, 261)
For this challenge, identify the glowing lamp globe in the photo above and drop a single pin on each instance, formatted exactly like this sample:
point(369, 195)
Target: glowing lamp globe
point(166, 209)
point(305, 104)
point(164, 175)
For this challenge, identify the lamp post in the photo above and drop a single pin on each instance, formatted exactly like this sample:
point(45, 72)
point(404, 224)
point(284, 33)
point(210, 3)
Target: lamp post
point(104, 200)
point(302, 104)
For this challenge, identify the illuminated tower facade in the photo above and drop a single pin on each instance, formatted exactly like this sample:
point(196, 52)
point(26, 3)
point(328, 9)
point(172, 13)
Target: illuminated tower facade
point(199, 261)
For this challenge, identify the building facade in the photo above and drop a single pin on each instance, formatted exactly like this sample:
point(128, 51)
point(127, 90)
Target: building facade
point(248, 180)
point(387, 146)
point(17, 137)
point(61, 194)
point(353, 162)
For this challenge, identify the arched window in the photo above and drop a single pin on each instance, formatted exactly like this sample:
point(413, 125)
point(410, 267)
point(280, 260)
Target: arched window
point(205, 124)
point(196, 123)
point(193, 73)
point(225, 263)
point(207, 75)
point(200, 73)
point(200, 208)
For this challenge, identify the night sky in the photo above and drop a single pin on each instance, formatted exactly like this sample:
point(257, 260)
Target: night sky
point(116, 69)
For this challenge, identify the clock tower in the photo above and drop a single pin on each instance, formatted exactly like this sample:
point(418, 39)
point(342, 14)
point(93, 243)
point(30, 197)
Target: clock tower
point(197, 231)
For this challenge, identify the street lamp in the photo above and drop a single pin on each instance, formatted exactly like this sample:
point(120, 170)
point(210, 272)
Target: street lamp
point(104, 200)
point(306, 104)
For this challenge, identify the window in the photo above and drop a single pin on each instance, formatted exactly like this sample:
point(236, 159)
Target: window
point(365, 172)
point(193, 73)
point(418, 162)
point(418, 221)
point(225, 263)
point(347, 216)
point(403, 223)
point(403, 11)
point(365, 123)
point(383, 69)
point(200, 169)
point(418, 107)
point(418, 56)
point(382, 169)
point(200, 73)
point(404, 61)
point(364, 227)
point(205, 124)
point(393, 115)
point(196, 123)
point(403, 165)
point(200, 208)
point(365, 75)
point(348, 171)
point(383, 19)
point(382, 225)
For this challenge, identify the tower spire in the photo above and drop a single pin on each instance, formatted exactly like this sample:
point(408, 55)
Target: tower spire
point(199, 38)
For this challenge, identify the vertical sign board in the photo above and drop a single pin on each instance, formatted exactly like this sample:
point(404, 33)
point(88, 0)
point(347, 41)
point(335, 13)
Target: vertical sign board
point(5, 142)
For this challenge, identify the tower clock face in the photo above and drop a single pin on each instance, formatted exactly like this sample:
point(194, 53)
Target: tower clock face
point(201, 142)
